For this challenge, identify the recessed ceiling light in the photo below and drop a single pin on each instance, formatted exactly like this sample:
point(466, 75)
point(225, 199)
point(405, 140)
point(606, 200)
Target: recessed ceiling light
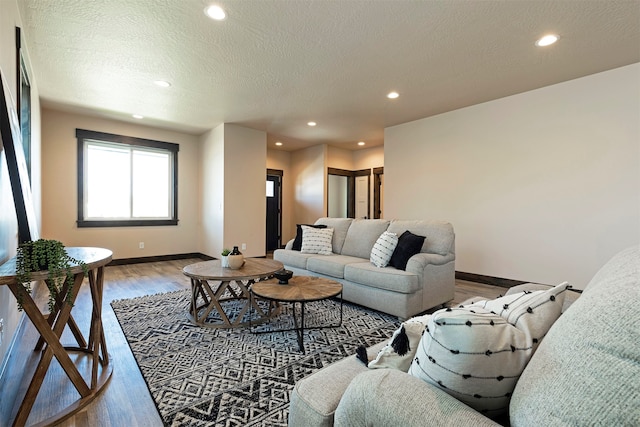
point(137, 116)
point(361, 143)
point(547, 40)
point(393, 95)
point(215, 12)
point(278, 143)
point(311, 123)
point(162, 83)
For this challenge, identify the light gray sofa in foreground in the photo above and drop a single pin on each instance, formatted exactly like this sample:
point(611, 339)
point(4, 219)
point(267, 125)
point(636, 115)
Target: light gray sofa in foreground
point(428, 281)
point(585, 372)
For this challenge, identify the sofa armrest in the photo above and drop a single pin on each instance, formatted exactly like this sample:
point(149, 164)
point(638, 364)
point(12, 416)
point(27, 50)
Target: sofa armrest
point(419, 262)
point(314, 398)
point(436, 275)
point(388, 397)
point(289, 244)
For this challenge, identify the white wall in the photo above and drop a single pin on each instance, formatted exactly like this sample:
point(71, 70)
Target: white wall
point(542, 186)
point(310, 175)
point(59, 190)
point(212, 191)
point(368, 158)
point(339, 158)
point(245, 207)
point(233, 164)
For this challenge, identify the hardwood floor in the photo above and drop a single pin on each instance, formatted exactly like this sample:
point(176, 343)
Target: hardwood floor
point(126, 400)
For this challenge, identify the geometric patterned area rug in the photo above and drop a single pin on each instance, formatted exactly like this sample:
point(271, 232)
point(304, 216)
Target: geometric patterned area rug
point(201, 376)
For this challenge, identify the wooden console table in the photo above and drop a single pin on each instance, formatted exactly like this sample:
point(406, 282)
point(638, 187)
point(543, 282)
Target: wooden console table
point(50, 327)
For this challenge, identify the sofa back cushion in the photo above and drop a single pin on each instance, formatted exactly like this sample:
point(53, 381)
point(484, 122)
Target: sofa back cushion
point(586, 370)
point(439, 234)
point(362, 235)
point(340, 227)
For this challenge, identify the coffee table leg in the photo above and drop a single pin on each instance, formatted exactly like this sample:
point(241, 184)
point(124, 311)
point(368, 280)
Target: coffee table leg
point(299, 328)
point(298, 323)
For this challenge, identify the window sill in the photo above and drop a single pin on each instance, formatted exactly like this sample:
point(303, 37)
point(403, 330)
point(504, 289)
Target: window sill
point(127, 223)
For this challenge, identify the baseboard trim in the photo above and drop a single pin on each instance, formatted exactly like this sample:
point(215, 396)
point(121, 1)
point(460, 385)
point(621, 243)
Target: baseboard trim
point(158, 258)
point(488, 280)
point(461, 275)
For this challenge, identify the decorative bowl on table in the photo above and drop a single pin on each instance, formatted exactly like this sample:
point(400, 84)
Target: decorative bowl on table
point(283, 276)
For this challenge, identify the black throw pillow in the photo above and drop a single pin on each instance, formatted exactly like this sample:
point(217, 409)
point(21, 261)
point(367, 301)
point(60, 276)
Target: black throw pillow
point(409, 244)
point(297, 242)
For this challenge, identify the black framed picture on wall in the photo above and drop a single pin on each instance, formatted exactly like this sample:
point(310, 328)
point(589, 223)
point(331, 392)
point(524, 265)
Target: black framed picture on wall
point(17, 166)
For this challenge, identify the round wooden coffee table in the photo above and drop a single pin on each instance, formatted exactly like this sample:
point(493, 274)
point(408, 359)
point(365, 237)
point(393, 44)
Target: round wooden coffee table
point(212, 286)
point(301, 290)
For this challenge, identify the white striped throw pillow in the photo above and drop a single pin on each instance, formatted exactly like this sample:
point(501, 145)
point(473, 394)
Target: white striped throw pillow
point(383, 249)
point(316, 240)
point(477, 352)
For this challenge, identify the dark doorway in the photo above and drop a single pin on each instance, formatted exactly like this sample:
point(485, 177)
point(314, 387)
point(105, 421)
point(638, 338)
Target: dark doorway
point(274, 209)
point(378, 192)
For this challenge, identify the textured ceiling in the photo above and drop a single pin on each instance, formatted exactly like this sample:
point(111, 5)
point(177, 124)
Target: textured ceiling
point(274, 65)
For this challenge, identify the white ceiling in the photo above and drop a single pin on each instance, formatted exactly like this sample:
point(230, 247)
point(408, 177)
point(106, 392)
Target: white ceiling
point(274, 65)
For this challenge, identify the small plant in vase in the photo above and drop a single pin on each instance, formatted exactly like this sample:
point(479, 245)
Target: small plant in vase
point(225, 257)
point(50, 256)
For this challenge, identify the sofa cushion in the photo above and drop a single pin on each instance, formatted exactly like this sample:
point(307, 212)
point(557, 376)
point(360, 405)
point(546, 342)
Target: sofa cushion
point(387, 278)
point(362, 235)
point(316, 240)
point(340, 227)
point(292, 258)
point(383, 249)
point(408, 245)
point(402, 346)
point(477, 352)
point(331, 265)
point(439, 234)
point(297, 241)
point(315, 398)
point(390, 398)
point(586, 370)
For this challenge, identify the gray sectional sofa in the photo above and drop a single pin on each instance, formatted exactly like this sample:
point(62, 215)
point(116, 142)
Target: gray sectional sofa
point(584, 373)
point(427, 281)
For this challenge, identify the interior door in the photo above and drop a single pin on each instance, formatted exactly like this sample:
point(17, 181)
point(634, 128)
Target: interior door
point(378, 192)
point(274, 210)
point(362, 197)
point(337, 197)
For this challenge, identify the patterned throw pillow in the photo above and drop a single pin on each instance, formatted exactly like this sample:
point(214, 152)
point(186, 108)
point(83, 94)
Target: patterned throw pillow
point(402, 346)
point(477, 352)
point(383, 249)
point(297, 241)
point(316, 240)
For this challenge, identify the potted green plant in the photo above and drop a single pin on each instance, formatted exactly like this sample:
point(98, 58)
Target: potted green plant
point(50, 256)
point(225, 257)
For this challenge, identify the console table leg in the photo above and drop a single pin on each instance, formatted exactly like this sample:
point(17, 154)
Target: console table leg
point(54, 348)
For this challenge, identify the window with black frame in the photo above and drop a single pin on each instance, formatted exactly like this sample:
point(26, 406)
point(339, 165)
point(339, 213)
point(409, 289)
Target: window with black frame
point(24, 101)
point(126, 181)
